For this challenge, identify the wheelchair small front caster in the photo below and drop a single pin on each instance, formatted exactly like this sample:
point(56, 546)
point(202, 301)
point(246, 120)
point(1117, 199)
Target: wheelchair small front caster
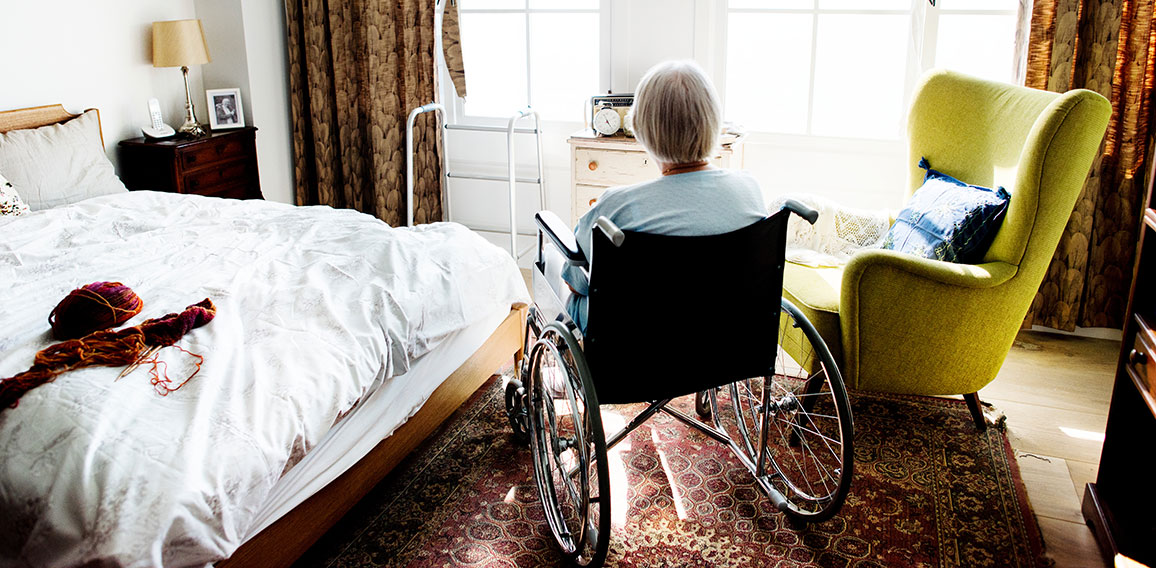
point(702, 404)
point(516, 411)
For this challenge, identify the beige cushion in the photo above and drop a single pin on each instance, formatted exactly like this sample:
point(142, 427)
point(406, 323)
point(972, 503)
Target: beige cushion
point(58, 164)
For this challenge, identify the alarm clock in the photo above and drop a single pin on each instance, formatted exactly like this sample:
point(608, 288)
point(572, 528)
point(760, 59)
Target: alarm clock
point(601, 109)
point(607, 121)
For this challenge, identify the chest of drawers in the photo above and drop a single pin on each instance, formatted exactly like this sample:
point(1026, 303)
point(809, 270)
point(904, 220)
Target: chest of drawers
point(222, 164)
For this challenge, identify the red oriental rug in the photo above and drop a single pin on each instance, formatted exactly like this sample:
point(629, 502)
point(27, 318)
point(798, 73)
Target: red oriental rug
point(928, 491)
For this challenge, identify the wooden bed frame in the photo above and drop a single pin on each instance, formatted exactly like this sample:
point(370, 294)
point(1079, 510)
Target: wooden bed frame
point(290, 536)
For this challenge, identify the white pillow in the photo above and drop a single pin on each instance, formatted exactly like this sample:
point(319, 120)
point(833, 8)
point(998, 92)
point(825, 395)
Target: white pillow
point(58, 164)
point(10, 202)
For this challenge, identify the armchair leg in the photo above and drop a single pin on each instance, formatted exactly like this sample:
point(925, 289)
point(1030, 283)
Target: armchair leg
point(973, 405)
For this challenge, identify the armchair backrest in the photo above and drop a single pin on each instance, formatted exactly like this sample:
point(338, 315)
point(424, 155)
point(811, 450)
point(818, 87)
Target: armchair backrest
point(1037, 144)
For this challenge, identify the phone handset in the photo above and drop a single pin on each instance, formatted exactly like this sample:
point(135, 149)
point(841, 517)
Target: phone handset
point(157, 127)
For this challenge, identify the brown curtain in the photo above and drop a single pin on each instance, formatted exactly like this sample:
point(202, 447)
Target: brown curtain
point(452, 47)
point(1106, 46)
point(356, 70)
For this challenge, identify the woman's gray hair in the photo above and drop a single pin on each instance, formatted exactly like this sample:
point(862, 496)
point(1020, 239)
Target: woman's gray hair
point(676, 114)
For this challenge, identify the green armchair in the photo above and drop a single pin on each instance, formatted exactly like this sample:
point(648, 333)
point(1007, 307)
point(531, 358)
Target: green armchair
point(898, 323)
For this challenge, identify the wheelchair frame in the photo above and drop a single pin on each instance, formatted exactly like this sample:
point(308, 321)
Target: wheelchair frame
point(530, 417)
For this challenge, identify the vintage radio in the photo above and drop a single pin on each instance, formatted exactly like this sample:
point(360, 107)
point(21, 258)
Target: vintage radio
point(609, 114)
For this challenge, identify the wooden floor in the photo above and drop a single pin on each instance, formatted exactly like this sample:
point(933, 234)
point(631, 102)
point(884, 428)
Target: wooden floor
point(1054, 390)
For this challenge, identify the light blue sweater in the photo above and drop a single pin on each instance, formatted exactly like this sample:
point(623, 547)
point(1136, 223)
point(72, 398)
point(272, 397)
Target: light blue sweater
point(707, 202)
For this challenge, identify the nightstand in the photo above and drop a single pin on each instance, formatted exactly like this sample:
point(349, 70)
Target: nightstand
point(222, 164)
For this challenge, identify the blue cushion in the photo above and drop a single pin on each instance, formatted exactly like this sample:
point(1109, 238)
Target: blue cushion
point(948, 220)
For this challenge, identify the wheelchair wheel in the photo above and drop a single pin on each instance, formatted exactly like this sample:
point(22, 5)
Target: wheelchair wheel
point(804, 452)
point(568, 447)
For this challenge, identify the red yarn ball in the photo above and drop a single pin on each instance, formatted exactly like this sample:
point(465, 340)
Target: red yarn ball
point(97, 306)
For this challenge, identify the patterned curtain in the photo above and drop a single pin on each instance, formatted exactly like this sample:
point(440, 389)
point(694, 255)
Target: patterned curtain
point(1107, 46)
point(452, 47)
point(356, 70)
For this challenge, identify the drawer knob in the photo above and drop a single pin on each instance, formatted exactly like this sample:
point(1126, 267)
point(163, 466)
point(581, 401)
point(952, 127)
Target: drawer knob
point(593, 201)
point(1137, 358)
point(592, 165)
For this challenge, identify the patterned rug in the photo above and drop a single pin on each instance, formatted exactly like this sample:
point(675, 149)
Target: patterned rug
point(928, 491)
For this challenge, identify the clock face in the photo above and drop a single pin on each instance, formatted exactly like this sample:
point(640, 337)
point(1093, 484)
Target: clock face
point(607, 121)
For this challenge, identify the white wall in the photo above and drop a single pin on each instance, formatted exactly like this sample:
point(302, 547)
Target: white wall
point(249, 52)
point(86, 54)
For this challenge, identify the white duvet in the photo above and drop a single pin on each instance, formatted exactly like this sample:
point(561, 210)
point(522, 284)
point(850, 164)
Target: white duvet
point(314, 307)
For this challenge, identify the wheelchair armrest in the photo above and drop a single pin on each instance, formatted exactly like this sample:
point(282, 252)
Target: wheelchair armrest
point(561, 235)
point(801, 210)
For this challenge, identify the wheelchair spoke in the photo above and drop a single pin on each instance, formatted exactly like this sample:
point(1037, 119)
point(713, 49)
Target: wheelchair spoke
point(808, 458)
point(794, 425)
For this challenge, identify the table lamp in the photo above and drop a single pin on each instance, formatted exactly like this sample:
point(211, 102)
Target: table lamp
point(180, 43)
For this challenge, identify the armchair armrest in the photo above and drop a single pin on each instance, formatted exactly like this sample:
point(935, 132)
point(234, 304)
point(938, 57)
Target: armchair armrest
point(985, 275)
point(550, 225)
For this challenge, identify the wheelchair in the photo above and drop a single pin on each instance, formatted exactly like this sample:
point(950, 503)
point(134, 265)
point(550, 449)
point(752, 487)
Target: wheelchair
point(763, 379)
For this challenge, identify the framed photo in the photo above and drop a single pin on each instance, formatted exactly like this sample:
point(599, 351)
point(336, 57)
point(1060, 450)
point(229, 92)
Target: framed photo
point(225, 109)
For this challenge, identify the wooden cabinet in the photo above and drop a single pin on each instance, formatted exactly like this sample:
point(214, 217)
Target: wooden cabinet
point(222, 164)
point(601, 162)
point(1121, 504)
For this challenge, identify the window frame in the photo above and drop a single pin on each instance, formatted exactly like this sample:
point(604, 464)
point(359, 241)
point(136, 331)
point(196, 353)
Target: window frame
point(711, 46)
point(454, 105)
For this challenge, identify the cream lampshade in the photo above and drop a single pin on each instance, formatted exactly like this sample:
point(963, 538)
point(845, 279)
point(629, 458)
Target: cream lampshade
point(181, 43)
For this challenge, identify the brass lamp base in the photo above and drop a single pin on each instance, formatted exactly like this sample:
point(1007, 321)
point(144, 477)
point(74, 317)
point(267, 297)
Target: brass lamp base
point(192, 130)
point(191, 127)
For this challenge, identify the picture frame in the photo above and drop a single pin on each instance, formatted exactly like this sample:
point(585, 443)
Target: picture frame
point(225, 109)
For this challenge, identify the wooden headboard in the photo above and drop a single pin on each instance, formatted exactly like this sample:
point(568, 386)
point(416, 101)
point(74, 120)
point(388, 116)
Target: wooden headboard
point(35, 117)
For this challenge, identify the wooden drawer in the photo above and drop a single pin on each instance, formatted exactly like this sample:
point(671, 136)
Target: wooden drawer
point(213, 150)
point(205, 181)
point(236, 190)
point(613, 167)
point(585, 196)
point(1142, 361)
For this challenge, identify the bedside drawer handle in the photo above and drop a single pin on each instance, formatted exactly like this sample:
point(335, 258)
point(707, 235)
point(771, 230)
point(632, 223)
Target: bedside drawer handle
point(1138, 358)
point(593, 201)
point(592, 165)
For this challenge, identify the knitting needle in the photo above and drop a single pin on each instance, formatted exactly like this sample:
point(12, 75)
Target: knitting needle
point(147, 353)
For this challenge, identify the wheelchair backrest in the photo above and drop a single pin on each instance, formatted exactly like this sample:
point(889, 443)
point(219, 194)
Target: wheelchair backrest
point(672, 315)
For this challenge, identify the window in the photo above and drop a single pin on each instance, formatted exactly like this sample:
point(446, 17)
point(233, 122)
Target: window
point(977, 37)
point(542, 53)
point(844, 68)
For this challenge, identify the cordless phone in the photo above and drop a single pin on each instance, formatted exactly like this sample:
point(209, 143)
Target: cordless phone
point(157, 127)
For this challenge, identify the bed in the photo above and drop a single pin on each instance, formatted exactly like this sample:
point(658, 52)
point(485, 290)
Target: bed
point(339, 345)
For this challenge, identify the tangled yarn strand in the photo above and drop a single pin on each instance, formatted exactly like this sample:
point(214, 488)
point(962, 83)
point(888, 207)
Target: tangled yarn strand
point(109, 348)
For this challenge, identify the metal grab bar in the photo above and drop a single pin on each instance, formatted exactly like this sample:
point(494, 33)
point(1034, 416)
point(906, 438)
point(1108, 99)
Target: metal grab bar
point(510, 178)
point(409, 122)
point(513, 179)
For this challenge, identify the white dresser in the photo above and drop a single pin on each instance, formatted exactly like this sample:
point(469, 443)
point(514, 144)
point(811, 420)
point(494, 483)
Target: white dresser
point(601, 162)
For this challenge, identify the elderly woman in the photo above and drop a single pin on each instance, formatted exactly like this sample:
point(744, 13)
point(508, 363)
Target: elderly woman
point(677, 118)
